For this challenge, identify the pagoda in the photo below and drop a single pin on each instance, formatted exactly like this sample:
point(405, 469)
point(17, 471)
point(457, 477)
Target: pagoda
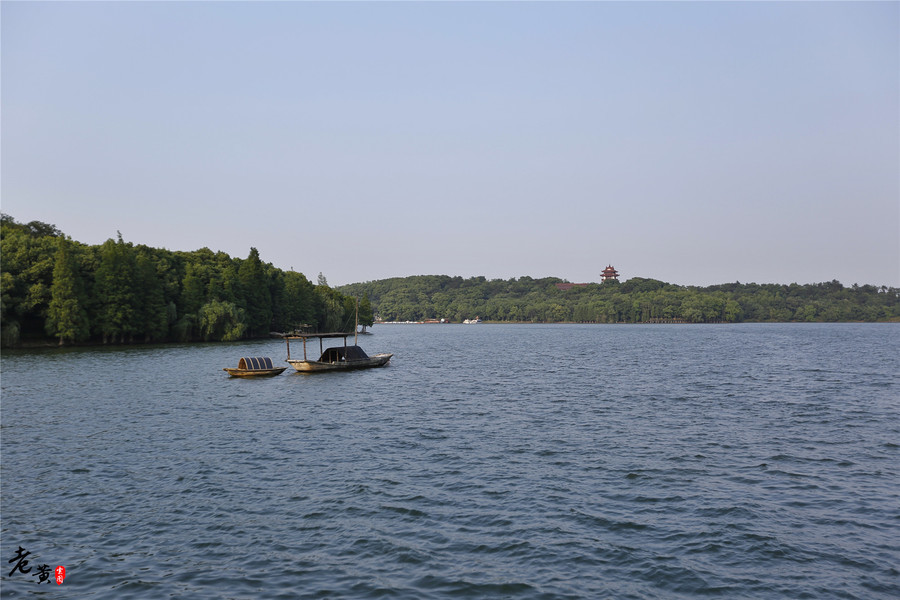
point(609, 273)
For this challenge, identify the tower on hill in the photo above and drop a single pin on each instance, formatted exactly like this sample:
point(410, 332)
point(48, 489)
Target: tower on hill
point(609, 273)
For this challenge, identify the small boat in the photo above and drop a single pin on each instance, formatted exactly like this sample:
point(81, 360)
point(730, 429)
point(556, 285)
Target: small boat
point(255, 366)
point(336, 358)
point(472, 321)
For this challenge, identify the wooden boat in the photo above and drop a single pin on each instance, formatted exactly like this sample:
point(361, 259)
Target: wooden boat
point(336, 358)
point(256, 366)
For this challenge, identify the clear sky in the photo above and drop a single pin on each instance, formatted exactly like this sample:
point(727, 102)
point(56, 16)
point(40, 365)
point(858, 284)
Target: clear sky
point(696, 143)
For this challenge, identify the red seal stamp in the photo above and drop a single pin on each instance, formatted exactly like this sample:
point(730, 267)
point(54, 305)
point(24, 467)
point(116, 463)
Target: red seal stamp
point(60, 572)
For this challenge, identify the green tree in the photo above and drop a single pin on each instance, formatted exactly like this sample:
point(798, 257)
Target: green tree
point(331, 315)
point(256, 294)
point(366, 314)
point(66, 316)
point(114, 285)
point(152, 309)
point(193, 289)
point(692, 309)
point(732, 311)
point(297, 303)
point(221, 321)
point(27, 259)
point(9, 327)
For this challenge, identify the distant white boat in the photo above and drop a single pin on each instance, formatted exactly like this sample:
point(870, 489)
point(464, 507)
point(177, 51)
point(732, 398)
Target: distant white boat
point(472, 321)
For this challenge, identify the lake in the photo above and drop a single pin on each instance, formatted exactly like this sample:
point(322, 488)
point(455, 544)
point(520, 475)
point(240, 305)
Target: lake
point(486, 461)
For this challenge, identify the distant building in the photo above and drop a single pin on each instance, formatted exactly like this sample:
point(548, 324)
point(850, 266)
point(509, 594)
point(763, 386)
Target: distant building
point(609, 273)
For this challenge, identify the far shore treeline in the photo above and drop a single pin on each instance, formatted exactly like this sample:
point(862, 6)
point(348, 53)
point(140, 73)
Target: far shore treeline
point(56, 289)
point(637, 300)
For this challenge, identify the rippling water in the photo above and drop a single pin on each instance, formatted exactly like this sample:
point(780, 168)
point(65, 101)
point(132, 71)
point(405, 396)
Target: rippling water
point(495, 461)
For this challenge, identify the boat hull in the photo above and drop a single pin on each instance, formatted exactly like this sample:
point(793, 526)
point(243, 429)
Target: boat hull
point(254, 372)
point(315, 366)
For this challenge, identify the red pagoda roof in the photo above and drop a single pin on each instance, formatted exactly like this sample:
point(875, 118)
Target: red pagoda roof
point(610, 273)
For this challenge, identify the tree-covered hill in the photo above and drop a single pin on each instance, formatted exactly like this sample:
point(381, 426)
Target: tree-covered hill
point(52, 287)
point(637, 300)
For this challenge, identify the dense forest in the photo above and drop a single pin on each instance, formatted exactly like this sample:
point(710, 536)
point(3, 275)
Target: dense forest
point(636, 300)
point(52, 287)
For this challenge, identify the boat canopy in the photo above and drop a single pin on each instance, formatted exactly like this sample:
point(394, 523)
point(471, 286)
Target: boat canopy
point(341, 353)
point(255, 362)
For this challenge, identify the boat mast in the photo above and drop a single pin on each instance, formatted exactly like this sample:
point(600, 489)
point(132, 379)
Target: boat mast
point(356, 328)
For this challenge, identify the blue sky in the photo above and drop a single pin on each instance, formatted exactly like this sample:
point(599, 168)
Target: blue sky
point(696, 143)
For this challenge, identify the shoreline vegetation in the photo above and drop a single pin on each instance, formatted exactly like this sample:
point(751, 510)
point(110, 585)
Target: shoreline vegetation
point(56, 291)
point(430, 298)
